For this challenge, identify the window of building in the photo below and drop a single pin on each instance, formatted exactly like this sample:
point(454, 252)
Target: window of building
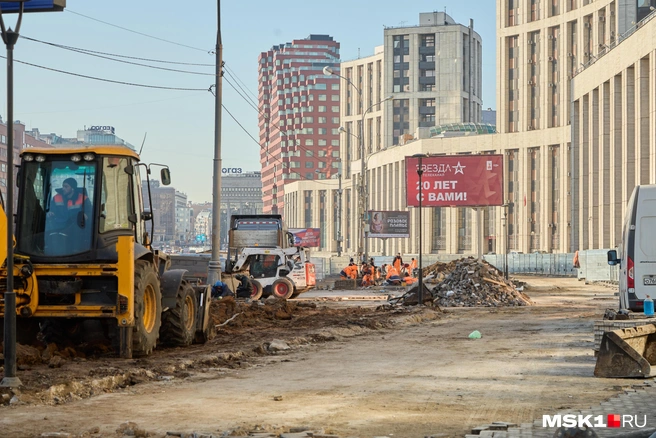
point(322, 142)
point(427, 40)
point(322, 131)
point(309, 153)
point(309, 165)
point(334, 98)
point(322, 120)
point(309, 142)
point(322, 98)
point(322, 109)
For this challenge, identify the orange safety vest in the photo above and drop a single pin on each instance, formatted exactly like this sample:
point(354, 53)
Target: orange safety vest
point(72, 202)
point(392, 271)
point(413, 264)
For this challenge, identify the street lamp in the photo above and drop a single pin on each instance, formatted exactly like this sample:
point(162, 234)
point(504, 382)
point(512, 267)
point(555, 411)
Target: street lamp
point(505, 219)
point(420, 283)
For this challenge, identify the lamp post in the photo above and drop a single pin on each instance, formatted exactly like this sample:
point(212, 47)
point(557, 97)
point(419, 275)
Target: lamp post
point(505, 218)
point(420, 282)
point(363, 249)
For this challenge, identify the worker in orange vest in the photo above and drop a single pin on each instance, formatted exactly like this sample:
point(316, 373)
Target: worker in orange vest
point(367, 275)
point(413, 266)
point(393, 277)
point(398, 262)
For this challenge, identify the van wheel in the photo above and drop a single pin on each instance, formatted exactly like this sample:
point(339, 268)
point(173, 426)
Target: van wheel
point(179, 323)
point(147, 308)
point(282, 288)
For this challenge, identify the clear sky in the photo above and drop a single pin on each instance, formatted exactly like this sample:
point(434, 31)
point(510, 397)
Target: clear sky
point(179, 124)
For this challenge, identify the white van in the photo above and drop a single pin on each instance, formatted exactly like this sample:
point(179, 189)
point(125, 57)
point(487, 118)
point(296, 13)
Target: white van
point(636, 254)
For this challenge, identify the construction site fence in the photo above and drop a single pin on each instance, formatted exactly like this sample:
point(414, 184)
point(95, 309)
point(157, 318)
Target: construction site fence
point(593, 264)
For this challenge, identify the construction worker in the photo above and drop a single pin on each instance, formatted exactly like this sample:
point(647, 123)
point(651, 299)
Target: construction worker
point(393, 277)
point(367, 275)
point(221, 290)
point(413, 266)
point(398, 262)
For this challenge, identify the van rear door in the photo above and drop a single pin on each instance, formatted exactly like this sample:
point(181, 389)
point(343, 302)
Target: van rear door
point(644, 248)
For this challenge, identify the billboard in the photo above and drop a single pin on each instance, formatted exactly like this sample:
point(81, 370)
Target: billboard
point(384, 224)
point(307, 237)
point(455, 181)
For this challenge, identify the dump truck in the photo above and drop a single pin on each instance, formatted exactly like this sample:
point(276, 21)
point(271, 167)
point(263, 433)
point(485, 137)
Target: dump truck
point(83, 252)
point(261, 248)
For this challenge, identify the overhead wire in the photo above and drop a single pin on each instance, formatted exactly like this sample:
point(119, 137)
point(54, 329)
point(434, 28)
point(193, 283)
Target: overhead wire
point(134, 31)
point(108, 80)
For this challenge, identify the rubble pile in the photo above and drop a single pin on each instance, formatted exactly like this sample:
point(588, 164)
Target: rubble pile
point(468, 283)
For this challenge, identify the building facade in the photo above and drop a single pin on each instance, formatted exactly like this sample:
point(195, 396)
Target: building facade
point(576, 125)
point(241, 193)
point(22, 139)
point(163, 207)
point(183, 230)
point(299, 115)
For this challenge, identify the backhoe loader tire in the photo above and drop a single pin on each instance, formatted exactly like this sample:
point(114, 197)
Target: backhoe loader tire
point(282, 288)
point(257, 290)
point(179, 323)
point(147, 308)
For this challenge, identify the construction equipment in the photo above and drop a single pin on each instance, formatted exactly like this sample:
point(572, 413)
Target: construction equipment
point(628, 352)
point(82, 252)
point(261, 247)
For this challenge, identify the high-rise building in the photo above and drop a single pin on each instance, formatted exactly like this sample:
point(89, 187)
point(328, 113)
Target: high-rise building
point(299, 115)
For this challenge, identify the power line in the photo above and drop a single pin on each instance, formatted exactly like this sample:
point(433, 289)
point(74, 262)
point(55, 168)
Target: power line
point(128, 62)
point(134, 31)
point(239, 80)
point(109, 80)
point(78, 49)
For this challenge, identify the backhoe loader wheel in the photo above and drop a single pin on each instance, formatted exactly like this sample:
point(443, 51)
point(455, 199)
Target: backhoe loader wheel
point(147, 308)
point(282, 288)
point(179, 323)
point(256, 294)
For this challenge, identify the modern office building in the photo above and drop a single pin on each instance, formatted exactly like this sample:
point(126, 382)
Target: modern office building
point(299, 115)
point(423, 76)
point(575, 124)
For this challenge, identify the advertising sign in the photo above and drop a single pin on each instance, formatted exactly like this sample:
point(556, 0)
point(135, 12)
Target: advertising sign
point(455, 181)
point(383, 224)
point(307, 237)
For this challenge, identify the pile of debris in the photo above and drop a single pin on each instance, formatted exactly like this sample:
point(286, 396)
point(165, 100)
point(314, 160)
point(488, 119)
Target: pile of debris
point(469, 283)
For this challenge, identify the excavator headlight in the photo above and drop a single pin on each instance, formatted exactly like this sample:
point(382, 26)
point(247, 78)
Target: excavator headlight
point(76, 158)
point(89, 157)
point(40, 158)
point(28, 157)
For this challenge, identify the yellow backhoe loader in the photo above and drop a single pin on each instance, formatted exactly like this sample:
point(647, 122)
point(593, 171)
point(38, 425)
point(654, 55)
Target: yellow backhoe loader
point(82, 252)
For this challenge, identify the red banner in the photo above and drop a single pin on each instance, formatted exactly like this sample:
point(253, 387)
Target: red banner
point(455, 180)
point(307, 237)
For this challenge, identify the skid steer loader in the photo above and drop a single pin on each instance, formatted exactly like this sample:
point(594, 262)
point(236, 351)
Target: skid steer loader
point(82, 252)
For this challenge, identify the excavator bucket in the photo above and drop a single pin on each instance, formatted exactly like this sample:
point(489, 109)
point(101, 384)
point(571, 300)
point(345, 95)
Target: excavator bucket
point(628, 352)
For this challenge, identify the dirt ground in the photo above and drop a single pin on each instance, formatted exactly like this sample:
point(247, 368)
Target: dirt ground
point(356, 371)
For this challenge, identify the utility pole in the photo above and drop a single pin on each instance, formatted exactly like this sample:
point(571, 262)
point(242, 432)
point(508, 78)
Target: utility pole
point(214, 270)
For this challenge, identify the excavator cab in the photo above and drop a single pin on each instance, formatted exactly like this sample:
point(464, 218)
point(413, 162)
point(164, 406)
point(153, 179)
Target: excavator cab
point(74, 206)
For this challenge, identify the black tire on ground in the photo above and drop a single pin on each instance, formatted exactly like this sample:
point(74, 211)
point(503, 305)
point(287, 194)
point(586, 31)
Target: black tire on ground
point(179, 323)
point(257, 290)
point(147, 308)
point(282, 288)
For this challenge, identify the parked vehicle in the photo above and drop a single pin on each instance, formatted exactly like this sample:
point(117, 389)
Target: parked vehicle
point(636, 254)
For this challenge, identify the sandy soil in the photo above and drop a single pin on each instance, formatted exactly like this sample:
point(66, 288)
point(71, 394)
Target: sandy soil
point(351, 371)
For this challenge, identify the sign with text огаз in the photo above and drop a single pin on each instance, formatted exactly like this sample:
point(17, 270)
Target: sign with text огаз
point(384, 224)
point(455, 180)
point(307, 237)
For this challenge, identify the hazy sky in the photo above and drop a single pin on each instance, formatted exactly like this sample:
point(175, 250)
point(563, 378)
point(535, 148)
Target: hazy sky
point(180, 123)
